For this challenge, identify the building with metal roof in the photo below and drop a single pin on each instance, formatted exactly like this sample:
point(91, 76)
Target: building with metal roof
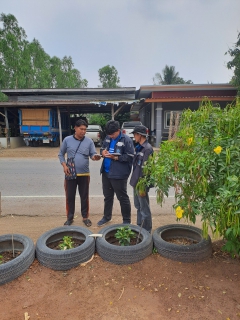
point(151, 104)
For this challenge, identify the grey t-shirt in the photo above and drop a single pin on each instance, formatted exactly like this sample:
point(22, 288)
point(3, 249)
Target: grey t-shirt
point(86, 150)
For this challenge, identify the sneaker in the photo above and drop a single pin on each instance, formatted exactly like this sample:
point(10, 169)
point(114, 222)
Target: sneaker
point(103, 221)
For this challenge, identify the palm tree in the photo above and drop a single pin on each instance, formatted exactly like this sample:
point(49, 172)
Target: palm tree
point(169, 76)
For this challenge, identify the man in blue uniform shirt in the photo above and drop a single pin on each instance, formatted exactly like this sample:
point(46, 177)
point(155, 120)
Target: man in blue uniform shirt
point(117, 152)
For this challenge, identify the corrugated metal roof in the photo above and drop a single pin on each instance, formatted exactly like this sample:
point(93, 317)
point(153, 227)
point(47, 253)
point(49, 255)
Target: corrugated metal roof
point(145, 91)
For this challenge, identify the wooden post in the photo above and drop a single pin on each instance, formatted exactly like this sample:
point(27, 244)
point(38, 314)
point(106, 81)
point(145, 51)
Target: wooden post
point(7, 128)
point(112, 111)
point(69, 122)
point(60, 125)
point(0, 205)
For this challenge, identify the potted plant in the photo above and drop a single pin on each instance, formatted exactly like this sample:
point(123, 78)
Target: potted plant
point(64, 248)
point(124, 244)
point(202, 164)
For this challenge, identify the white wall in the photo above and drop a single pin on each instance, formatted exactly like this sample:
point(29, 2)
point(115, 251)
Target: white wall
point(15, 142)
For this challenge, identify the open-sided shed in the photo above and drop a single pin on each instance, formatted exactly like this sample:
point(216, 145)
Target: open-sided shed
point(65, 101)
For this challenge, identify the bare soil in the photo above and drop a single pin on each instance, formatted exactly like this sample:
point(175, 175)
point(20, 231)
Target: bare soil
point(155, 288)
point(7, 256)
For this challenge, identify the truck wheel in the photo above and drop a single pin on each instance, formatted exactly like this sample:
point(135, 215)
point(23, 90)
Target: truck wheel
point(56, 143)
point(30, 143)
point(35, 143)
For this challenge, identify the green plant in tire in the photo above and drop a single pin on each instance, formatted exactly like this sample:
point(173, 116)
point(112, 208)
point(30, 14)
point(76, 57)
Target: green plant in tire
point(202, 166)
point(124, 235)
point(67, 243)
point(154, 250)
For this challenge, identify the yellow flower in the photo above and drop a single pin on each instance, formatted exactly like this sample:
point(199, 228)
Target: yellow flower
point(189, 141)
point(179, 212)
point(218, 150)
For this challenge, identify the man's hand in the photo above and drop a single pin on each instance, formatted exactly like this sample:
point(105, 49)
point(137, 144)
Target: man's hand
point(105, 154)
point(96, 157)
point(65, 169)
point(108, 155)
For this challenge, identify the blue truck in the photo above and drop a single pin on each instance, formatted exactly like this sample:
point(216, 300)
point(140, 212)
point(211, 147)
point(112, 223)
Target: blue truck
point(40, 126)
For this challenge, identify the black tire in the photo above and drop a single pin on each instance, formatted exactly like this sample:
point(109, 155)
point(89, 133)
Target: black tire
point(123, 254)
point(56, 143)
point(35, 143)
point(189, 253)
point(16, 267)
point(64, 259)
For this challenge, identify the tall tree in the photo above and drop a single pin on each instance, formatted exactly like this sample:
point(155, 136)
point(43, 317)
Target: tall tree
point(235, 63)
point(25, 64)
point(37, 73)
point(169, 76)
point(108, 77)
point(63, 75)
point(12, 45)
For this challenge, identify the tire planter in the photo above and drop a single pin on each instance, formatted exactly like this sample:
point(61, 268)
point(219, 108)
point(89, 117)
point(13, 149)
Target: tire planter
point(123, 254)
point(16, 267)
point(64, 259)
point(184, 253)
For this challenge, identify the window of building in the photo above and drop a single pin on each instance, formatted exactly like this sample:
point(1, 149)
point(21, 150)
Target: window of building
point(168, 117)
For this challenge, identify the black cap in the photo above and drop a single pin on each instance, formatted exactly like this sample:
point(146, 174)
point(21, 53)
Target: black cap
point(112, 126)
point(141, 130)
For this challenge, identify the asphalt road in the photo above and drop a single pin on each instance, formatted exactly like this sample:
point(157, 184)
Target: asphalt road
point(34, 186)
point(42, 177)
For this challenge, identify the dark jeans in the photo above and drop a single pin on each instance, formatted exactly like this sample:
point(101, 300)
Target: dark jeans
point(118, 186)
point(143, 210)
point(82, 182)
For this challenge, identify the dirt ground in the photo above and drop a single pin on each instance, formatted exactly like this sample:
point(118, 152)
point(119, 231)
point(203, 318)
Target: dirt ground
point(155, 288)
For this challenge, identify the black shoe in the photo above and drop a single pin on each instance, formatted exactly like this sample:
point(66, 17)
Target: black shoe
point(103, 221)
point(68, 222)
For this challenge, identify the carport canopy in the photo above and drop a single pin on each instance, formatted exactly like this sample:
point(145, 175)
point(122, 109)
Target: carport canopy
point(82, 101)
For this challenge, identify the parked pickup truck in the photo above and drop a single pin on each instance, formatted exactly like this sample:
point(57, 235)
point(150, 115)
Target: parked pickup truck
point(128, 127)
point(95, 133)
point(40, 126)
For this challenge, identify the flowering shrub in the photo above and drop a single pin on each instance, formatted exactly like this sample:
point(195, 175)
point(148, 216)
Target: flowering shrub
point(203, 166)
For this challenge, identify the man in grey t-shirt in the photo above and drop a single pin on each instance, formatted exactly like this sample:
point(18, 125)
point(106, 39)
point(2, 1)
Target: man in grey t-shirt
point(81, 148)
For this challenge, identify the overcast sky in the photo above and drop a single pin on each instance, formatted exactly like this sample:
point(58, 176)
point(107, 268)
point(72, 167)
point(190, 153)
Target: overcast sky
point(137, 37)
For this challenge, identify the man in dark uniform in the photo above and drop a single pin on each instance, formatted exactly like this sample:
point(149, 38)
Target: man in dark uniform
point(117, 152)
point(141, 199)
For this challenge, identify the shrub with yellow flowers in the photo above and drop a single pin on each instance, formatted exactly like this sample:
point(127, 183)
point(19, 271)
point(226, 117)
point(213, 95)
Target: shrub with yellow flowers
point(202, 164)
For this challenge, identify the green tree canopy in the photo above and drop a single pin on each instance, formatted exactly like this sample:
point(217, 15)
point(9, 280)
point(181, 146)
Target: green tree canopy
point(102, 118)
point(12, 47)
point(108, 77)
point(235, 63)
point(169, 76)
point(25, 64)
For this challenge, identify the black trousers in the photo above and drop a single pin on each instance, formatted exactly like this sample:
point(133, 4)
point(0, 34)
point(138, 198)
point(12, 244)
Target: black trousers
point(82, 182)
point(118, 186)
